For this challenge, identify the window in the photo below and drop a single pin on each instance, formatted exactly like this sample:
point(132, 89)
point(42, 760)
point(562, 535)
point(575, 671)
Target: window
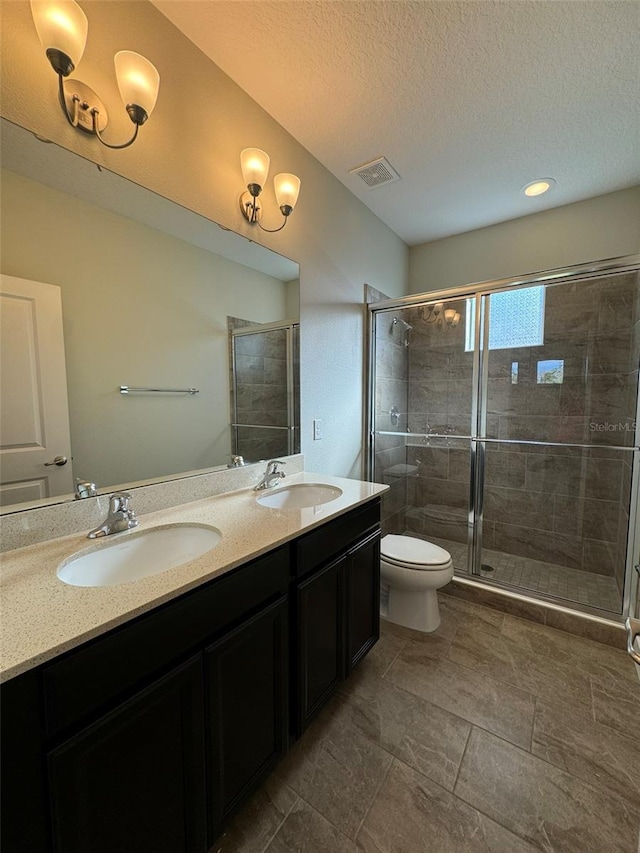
point(516, 319)
point(550, 372)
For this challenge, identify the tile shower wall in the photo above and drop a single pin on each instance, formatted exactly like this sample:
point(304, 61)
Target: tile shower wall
point(391, 393)
point(565, 506)
point(440, 377)
point(627, 462)
point(261, 393)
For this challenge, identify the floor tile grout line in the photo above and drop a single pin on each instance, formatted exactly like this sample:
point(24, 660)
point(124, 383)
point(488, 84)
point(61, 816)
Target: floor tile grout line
point(492, 818)
point(596, 788)
point(375, 795)
point(557, 766)
point(573, 663)
point(464, 752)
point(395, 658)
point(281, 824)
point(446, 658)
point(461, 799)
point(593, 700)
point(533, 696)
point(433, 701)
point(559, 631)
point(328, 819)
point(533, 722)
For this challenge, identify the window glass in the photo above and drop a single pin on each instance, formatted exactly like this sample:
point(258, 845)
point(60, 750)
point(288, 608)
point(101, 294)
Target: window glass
point(516, 319)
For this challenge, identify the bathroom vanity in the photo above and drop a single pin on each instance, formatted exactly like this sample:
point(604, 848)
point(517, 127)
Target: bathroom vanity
point(151, 735)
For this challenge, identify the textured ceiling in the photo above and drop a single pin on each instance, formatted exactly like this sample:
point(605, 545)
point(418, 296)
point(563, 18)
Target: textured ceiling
point(469, 101)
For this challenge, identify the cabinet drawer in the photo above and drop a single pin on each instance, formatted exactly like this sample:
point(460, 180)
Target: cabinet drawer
point(87, 679)
point(316, 548)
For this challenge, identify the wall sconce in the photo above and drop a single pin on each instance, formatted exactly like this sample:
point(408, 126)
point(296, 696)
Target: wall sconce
point(62, 27)
point(435, 314)
point(255, 168)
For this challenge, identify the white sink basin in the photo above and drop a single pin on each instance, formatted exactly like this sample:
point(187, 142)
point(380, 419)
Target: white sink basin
point(299, 496)
point(138, 555)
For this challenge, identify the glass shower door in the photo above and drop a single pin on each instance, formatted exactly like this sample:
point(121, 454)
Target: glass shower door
point(265, 392)
point(423, 412)
point(558, 402)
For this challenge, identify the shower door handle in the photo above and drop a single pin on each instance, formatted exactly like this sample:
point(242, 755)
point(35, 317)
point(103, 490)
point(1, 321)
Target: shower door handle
point(476, 502)
point(633, 632)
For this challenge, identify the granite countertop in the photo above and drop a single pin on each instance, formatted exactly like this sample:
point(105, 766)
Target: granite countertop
point(41, 617)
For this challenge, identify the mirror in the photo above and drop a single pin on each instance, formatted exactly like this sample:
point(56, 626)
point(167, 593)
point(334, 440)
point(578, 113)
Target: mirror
point(151, 294)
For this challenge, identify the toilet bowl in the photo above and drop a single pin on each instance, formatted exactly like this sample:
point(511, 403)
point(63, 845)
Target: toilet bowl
point(411, 571)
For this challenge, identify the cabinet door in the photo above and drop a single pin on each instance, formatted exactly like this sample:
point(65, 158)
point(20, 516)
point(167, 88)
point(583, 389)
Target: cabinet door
point(247, 674)
point(320, 640)
point(134, 780)
point(363, 599)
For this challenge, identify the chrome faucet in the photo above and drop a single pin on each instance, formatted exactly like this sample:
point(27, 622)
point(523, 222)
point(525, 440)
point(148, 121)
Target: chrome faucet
point(270, 476)
point(121, 517)
point(84, 489)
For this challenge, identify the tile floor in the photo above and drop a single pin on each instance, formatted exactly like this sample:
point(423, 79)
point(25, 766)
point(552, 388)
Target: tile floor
point(571, 584)
point(492, 735)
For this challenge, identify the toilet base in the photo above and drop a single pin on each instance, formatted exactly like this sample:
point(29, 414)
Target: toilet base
point(412, 609)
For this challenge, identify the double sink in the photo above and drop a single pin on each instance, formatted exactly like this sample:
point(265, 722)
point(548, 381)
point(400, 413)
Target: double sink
point(142, 554)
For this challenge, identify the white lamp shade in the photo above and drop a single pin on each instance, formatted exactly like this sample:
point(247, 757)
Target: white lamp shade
point(287, 189)
point(255, 166)
point(449, 314)
point(61, 25)
point(138, 80)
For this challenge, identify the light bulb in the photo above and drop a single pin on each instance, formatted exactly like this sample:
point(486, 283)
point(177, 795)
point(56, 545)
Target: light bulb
point(62, 28)
point(138, 81)
point(255, 168)
point(287, 188)
point(538, 187)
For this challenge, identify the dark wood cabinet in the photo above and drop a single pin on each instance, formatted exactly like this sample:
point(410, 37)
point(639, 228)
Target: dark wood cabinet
point(247, 679)
point(319, 641)
point(336, 607)
point(362, 581)
point(135, 779)
point(150, 737)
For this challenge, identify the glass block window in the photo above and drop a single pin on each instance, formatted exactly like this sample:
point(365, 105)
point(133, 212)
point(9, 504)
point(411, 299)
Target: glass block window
point(516, 319)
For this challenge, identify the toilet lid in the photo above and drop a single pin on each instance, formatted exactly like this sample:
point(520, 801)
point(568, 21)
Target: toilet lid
point(409, 550)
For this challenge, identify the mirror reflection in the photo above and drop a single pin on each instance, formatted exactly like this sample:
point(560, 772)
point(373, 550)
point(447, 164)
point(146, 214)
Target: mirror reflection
point(105, 285)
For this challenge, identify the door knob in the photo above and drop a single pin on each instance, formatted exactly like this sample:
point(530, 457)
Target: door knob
point(59, 461)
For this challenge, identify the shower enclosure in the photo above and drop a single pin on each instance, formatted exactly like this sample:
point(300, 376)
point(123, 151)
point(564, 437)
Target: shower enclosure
point(503, 418)
point(265, 377)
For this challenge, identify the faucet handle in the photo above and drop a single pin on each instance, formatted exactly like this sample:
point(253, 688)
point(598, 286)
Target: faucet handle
point(119, 502)
point(272, 466)
point(84, 489)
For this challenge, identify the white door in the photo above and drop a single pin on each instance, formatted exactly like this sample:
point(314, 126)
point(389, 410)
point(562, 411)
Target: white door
point(34, 414)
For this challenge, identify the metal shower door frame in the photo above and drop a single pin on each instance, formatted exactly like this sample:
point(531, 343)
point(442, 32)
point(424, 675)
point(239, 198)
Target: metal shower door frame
point(288, 326)
point(478, 440)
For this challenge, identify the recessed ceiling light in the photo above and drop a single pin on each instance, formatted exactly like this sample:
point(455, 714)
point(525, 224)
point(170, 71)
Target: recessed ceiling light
point(539, 186)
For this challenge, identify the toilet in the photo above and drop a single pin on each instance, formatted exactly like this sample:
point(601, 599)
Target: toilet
point(411, 571)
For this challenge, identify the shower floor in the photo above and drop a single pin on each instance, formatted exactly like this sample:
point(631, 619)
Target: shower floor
point(585, 588)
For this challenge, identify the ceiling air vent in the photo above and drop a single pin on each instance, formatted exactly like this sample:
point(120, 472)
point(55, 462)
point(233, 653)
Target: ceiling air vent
point(376, 173)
